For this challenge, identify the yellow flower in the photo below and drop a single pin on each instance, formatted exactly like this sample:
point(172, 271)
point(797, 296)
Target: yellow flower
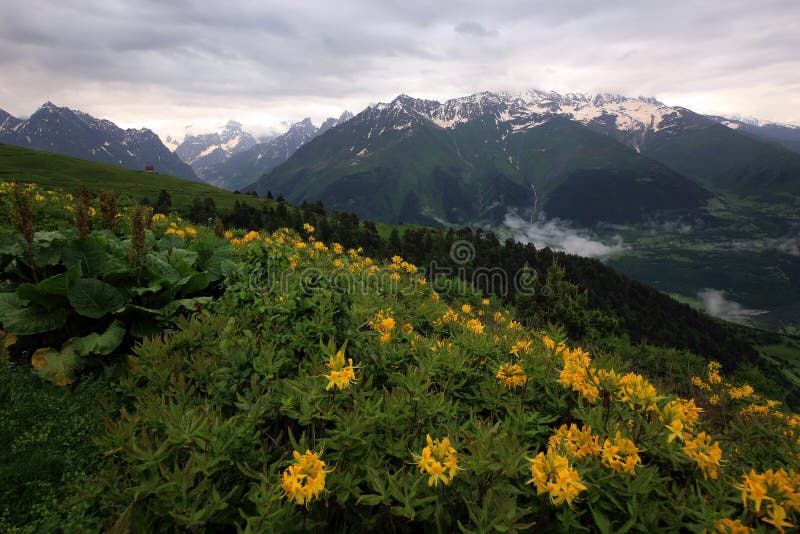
point(228, 234)
point(341, 375)
point(730, 526)
point(191, 232)
point(337, 248)
point(552, 474)
point(704, 453)
point(383, 323)
point(637, 391)
point(485, 302)
point(449, 317)
point(408, 329)
point(741, 392)
point(575, 374)
point(157, 217)
point(305, 479)
point(551, 345)
point(475, 326)
point(776, 517)
point(621, 454)
point(511, 375)
point(713, 373)
point(170, 231)
point(521, 346)
point(308, 228)
point(466, 308)
point(252, 235)
point(577, 443)
point(775, 488)
point(438, 460)
point(679, 416)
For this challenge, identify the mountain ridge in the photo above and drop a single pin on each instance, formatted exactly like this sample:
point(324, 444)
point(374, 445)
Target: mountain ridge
point(61, 130)
point(243, 168)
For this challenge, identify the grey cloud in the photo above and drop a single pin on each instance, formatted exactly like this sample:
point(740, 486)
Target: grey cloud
point(474, 28)
point(284, 54)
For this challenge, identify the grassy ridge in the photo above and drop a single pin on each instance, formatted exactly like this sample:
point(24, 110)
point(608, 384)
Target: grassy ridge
point(57, 171)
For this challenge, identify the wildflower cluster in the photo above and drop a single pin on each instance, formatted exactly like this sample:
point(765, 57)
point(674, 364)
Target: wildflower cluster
point(438, 460)
point(621, 454)
point(772, 495)
point(384, 324)
point(577, 443)
point(304, 479)
point(678, 416)
point(551, 473)
point(341, 375)
point(512, 375)
point(704, 452)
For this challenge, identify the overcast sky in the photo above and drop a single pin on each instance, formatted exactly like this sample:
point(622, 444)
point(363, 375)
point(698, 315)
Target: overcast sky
point(173, 63)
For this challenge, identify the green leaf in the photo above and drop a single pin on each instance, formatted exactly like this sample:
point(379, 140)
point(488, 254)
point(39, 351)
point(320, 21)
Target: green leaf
point(602, 522)
point(60, 283)
point(94, 298)
point(215, 264)
point(171, 241)
point(160, 268)
point(60, 368)
point(144, 327)
point(10, 302)
point(196, 283)
point(88, 253)
point(182, 259)
point(22, 319)
point(187, 304)
point(101, 344)
point(32, 293)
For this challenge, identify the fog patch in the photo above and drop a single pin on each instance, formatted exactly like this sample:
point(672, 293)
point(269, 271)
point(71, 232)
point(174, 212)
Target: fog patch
point(717, 305)
point(561, 236)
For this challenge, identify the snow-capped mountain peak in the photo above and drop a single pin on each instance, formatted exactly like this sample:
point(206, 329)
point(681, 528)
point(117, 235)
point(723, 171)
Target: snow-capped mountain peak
point(629, 118)
point(201, 151)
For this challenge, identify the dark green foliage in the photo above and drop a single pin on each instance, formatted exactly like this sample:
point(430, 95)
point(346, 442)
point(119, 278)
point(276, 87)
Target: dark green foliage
point(163, 203)
point(70, 287)
point(46, 433)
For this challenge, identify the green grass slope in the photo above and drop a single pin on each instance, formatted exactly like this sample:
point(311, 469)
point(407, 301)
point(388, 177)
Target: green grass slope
point(56, 171)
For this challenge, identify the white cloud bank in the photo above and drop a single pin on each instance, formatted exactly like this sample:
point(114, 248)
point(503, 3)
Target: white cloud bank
point(718, 306)
point(561, 236)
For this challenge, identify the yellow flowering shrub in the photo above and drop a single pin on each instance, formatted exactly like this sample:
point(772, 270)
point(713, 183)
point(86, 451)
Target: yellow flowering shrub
point(304, 480)
point(512, 375)
point(438, 460)
point(341, 375)
point(384, 324)
point(551, 473)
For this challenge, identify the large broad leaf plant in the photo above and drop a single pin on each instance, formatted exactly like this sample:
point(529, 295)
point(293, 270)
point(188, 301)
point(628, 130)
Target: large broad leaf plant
point(77, 298)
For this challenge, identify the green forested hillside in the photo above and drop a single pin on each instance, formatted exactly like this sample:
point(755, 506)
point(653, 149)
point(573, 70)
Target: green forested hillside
point(476, 172)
